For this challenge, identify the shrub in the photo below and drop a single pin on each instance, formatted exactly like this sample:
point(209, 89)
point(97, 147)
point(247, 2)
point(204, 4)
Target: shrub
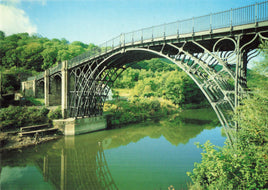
point(137, 110)
point(55, 114)
point(14, 117)
point(244, 166)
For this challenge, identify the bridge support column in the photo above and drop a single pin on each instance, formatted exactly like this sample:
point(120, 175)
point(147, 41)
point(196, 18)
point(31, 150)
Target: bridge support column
point(46, 87)
point(72, 126)
point(241, 75)
point(29, 88)
point(34, 88)
point(243, 70)
point(64, 89)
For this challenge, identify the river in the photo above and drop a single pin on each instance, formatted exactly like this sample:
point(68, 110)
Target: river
point(149, 155)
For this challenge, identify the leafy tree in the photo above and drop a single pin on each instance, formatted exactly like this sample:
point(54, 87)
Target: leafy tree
point(64, 41)
point(35, 53)
point(2, 35)
point(245, 166)
point(50, 56)
point(156, 64)
point(81, 44)
point(11, 78)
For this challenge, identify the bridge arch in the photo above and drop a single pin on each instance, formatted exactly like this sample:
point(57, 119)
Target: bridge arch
point(55, 89)
point(218, 68)
point(40, 89)
point(193, 58)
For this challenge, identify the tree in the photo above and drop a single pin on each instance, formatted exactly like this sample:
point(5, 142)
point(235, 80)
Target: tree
point(2, 35)
point(35, 53)
point(50, 56)
point(243, 165)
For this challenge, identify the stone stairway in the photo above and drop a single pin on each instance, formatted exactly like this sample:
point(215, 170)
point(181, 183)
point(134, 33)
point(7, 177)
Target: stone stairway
point(40, 130)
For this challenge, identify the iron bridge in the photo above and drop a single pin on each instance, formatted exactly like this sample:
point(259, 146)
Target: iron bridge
point(213, 50)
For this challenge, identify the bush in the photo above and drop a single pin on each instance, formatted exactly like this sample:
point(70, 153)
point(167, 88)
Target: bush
point(14, 117)
point(138, 109)
point(35, 101)
point(55, 114)
point(244, 166)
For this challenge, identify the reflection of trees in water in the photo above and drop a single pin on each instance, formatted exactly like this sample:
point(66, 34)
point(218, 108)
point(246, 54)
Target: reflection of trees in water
point(79, 162)
point(176, 132)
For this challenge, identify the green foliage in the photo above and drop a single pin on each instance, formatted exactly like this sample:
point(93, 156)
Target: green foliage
point(36, 101)
point(156, 65)
point(127, 79)
point(11, 78)
point(21, 53)
point(36, 52)
point(261, 67)
point(14, 117)
point(167, 82)
point(55, 114)
point(243, 166)
point(138, 109)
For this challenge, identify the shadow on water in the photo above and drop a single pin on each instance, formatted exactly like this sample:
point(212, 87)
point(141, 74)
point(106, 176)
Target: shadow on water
point(79, 162)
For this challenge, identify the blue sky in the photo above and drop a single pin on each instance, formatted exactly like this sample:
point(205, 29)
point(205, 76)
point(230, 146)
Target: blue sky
point(96, 21)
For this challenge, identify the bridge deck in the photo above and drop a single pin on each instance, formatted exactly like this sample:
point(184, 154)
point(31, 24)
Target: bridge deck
point(246, 19)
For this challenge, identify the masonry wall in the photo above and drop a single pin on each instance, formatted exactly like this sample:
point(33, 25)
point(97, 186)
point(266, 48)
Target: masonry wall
point(28, 88)
point(40, 91)
point(72, 126)
point(55, 91)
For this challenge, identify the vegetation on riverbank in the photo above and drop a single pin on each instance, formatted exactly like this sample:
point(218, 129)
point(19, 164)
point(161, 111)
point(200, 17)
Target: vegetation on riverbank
point(14, 117)
point(146, 91)
point(138, 109)
point(170, 84)
point(243, 166)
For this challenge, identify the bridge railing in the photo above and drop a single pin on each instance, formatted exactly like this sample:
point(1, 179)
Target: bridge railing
point(55, 69)
point(36, 77)
point(233, 17)
point(240, 16)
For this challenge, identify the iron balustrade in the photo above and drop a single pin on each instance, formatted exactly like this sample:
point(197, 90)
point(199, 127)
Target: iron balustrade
point(234, 17)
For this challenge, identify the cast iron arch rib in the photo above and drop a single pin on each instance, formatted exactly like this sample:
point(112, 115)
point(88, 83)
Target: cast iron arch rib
point(213, 69)
point(203, 75)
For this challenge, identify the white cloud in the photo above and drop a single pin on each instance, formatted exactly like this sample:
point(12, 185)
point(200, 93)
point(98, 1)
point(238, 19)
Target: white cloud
point(14, 20)
point(15, 2)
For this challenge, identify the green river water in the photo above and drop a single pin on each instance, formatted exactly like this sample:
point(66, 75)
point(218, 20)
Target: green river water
point(149, 155)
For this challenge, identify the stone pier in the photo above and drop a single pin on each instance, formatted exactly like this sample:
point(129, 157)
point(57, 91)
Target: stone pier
point(72, 126)
point(29, 88)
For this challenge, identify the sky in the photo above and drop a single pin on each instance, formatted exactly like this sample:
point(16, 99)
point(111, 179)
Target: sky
point(96, 21)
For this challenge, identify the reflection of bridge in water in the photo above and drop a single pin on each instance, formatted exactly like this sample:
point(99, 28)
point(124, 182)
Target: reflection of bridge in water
point(79, 162)
point(77, 168)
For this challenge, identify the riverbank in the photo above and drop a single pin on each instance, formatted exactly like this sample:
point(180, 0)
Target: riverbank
point(11, 141)
point(15, 118)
